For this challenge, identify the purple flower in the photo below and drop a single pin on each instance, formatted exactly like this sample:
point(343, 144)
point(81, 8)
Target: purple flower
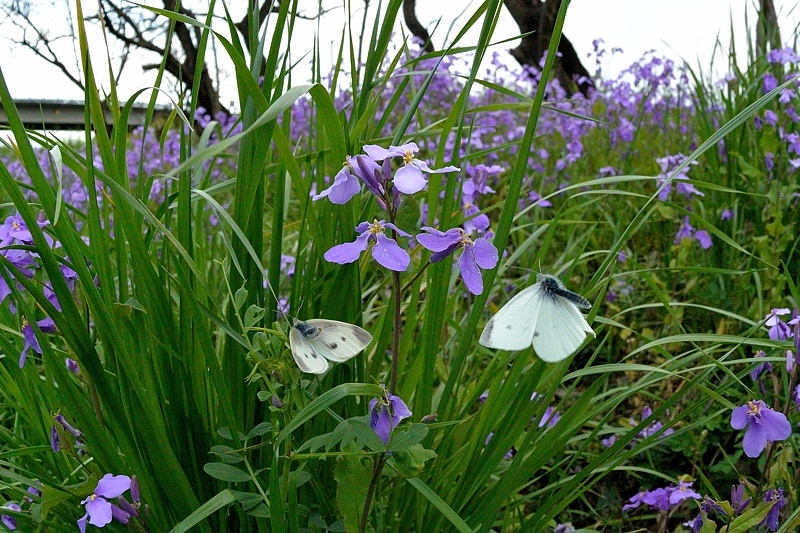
point(13, 228)
point(778, 329)
point(704, 239)
point(566, 527)
point(685, 232)
point(345, 186)
point(99, 511)
point(727, 214)
point(54, 442)
point(386, 412)
point(609, 441)
point(682, 492)
point(66, 425)
point(663, 499)
point(9, 521)
point(762, 425)
point(386, 251)
point(72, 366)
point(30, 342)
point(550, 417)
point(477, 255)
point(409, 178)
point(772, 520)
point(763, 367)
point(737, 493)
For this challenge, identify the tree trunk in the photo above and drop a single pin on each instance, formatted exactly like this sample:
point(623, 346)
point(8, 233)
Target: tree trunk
point(537, 20)
point(768, 35)
point(414, 25)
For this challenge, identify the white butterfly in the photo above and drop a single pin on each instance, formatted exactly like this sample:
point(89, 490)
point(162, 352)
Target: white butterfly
point(317, 341)
point(544, 315)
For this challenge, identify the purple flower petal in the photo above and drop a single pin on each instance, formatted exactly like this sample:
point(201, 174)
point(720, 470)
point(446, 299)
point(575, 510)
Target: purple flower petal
point(395, 228)
point(776, 425)
point(99, 510)
point(409, 179)
point(349, 251)
point(470, 272)
point(344, 187)
point(485, 254)
point(754, 441)
point(111, 486)
point(389, 255)
point(739, 417)
point(438, 241)
point(704, 238)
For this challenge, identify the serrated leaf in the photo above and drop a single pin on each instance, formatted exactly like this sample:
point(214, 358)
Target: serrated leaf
point(260, 429)
point(352, 475)
point(402, 440)
point(225, 472)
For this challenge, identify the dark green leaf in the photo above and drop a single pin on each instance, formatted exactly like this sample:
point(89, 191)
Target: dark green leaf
point(225, 472)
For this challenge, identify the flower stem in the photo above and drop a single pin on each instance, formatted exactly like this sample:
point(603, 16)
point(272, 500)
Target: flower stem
point(376, 472)
point(398, 302)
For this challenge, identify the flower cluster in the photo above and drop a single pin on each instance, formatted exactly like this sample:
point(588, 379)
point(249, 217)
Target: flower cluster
point(664, 498)
point(100, 511)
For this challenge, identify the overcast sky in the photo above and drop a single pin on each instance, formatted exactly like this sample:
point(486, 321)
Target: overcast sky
point(681, 29)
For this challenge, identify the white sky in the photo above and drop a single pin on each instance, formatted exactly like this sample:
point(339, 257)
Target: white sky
point(681, 29)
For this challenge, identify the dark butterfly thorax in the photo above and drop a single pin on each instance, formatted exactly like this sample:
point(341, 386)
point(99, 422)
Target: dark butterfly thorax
point(551, 287)
point(307, 331)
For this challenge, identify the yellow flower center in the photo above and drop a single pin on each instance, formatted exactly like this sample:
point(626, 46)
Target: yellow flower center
point(753, 408)
point(15, 225)
point(25, 322)
point(465, 240)
point(408, 157)
point(375, 228)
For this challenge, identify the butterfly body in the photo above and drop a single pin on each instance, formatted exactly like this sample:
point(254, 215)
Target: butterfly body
point(315, 342)
point(545, 315)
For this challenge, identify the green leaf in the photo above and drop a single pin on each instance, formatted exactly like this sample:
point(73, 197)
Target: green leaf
point(221, 500)
point(749, 519)
point(402, 440)
point(260, 429)
point(227, 454)
point(225, 472)
point(353, 475)
point(440, 504)
point(253, 314)
point(239, 298)
point(409, 463)
point(408, 215)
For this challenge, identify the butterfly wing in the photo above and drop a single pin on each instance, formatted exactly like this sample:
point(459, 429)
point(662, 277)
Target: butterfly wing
point(513, 327)
point(338, 341)
point(304, 353)
point(560, 329)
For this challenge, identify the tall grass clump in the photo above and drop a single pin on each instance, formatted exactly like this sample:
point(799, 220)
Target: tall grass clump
point(150, 282)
